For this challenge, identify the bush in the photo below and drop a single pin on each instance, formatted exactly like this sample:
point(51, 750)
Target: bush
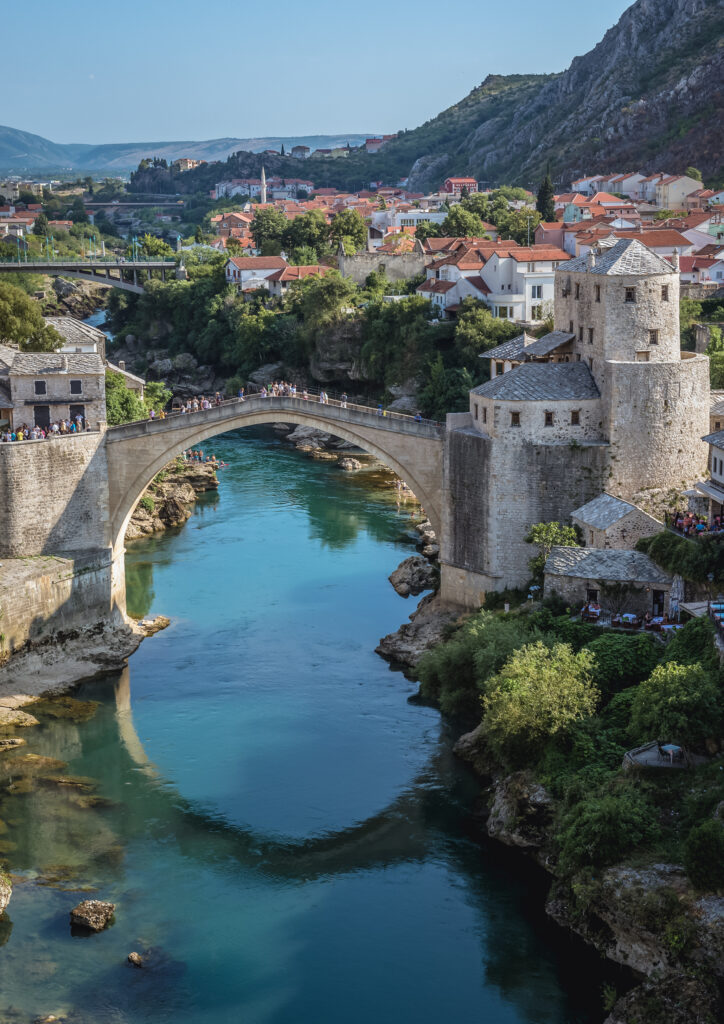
point(600, 830)
point(147, 503)
point(537, 694)
point(694, 645)
point(692, 559)
point(679, 703)
point(704, 855)
point(620, 660)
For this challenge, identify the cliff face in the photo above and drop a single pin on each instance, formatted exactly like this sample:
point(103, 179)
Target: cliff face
point(650, 94)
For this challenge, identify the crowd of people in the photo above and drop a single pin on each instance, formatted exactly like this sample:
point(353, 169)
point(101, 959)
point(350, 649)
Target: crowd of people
point(77, 425)
point(195, 404)
point(691, 525)
point(197, 455)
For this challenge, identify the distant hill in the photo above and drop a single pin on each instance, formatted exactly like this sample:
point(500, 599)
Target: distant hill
point(22, 152)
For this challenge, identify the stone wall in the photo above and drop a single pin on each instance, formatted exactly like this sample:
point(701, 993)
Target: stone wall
point(657, 414)
point(573, 590)
point(42, 596)
point(53, 496)
point(494, 418)
point(398, 267)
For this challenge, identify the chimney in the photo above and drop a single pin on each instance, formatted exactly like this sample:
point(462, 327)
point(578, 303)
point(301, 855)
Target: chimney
point(591, 259)
point(675, 260)
point(121, 364)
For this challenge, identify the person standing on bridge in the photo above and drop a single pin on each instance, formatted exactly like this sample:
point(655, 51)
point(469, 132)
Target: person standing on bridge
point(240, 394)
point(343, 402)
point(152, 414)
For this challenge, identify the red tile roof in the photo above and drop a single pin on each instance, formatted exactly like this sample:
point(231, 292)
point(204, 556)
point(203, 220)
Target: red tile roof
point(258, 262)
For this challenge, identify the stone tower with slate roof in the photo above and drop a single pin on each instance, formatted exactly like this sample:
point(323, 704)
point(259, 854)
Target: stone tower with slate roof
point(605, 402)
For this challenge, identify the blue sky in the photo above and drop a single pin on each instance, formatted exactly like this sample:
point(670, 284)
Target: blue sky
point(156, 70)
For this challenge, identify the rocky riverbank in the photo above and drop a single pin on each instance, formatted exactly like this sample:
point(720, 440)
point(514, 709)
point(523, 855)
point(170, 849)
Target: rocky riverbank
point(648, 919)
point(169, 499)
point(78, 299)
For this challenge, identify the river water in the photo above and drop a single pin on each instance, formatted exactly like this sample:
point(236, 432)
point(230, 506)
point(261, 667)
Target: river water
point(289, 838)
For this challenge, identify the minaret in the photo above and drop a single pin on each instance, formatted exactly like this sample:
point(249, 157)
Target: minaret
point(263, 184)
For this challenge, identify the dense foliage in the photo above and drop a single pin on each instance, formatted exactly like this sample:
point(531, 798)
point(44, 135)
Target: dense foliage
point(21, 322)
point(124, 405)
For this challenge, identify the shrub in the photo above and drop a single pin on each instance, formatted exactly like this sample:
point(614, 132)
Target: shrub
point(704, 855)
point(694, 645)
point(676, 702)
point(602, 829)
point(620, 660)
point(147, 503)
point(538, 693)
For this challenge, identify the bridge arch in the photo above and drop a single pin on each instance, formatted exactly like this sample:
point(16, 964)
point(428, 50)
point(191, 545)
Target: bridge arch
point(136, 452)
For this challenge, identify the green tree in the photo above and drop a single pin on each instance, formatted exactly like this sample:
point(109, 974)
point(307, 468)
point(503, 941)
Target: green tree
point(447, 390)
point(677, 703)
point(348, 224)
point(478, 204)
point(539, 693)
point(310, 230)
point(426, 229)
point(267, 228)
point(460, 223)
point(77, 211)
point(692, 172)
point(601, 829)
point(40, 227)
point(716, 341)
point(519, 225)
point(548, 536)
point(704, 855)
point(620, 660)
point(303, 256)
point(198, 235)
point(476, 330)
point(22, 322)
point(151, 248)
point(544, 203)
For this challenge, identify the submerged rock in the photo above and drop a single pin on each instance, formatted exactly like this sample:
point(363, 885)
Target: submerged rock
point(135, 959)
point(10, 743)
point(349, 464)
point(92, 914)
point(413, 576)
point(67, 707)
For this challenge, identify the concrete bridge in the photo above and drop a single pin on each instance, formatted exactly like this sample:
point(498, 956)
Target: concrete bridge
point(109, 272)
point(135, 452)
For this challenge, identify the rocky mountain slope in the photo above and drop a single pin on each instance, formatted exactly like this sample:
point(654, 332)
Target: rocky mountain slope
point(650, 94)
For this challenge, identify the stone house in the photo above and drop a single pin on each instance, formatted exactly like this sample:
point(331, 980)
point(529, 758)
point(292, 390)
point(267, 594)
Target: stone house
point(279, 281)
point(38, 388)
point(554, 347)
point(610, 522)
point(248, 272)
point(78, 336)
point(619, 580)
point(624, 415)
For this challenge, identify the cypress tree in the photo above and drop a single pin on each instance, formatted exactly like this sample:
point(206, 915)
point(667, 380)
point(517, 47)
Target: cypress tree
point(544, 204)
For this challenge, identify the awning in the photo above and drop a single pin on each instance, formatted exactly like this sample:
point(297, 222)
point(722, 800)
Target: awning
point(711, 491)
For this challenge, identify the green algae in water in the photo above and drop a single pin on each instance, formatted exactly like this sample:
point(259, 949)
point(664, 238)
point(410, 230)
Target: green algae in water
point(66, 707)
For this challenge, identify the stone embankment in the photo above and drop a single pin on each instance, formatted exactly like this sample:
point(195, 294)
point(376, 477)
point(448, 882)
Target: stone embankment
point(647, 919)
point(168, 501)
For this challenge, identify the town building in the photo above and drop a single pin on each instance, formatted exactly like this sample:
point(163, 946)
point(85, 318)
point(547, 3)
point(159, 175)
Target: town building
point(611, 522)
point(624, 414)
point(455, 186)
point(279, 281)
point(248, 273)
point(629, 579)
point(39, 388)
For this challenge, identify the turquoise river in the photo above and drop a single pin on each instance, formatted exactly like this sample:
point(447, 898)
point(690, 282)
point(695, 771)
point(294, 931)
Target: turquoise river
point(288, 839)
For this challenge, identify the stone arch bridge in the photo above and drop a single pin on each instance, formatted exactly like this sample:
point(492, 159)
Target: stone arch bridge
point(135, 452)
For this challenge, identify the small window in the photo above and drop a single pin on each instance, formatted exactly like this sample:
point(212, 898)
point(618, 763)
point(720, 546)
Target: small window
point(537, 292)
point(664, 293)
point(499, 368)
point(630, 295)
point(475, 410)
point(515, 419)
point(653, 337)
point(578, 291)
point(41, 387)
point(578, 357)
point(598, 292)
point(76, 387)
point(575, 418)
point(570, 327)
point(592, 595)
point(590, 362)
point(590, 335)
point(485, 414)
point(717, 424)
point(580, 332)
point(642, 357)
point(549, 419)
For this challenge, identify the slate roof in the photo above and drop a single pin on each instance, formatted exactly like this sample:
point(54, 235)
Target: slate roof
point(57, 362)
point(606, 564)
point(716, 439)
point(75, 331)
point(603, 511)
point(6, 401)
point(530, 382)
point(627, 256)
point(548, 343)
point(7, 355)
point(513, 348)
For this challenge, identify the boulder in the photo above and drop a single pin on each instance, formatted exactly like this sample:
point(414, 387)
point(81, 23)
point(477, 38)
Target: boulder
point(267, 373)
point(10, 743)
point(413, 576)
point(309, 435)
point(16, 718)
point(184, 362)
point(6, 890)
point(431, 551)
point(349, 464)
point(408, 404)
point(135, 959)
point(92, 914)
point(160, 368)
point(425, 629)
point(131, 340)
point(520, 812)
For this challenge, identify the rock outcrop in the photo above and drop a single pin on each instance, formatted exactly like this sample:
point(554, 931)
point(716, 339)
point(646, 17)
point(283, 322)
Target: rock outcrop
point(169, 501)
point(413, 576)
point(95, 915)
point(6, 890)
point(425, 629)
